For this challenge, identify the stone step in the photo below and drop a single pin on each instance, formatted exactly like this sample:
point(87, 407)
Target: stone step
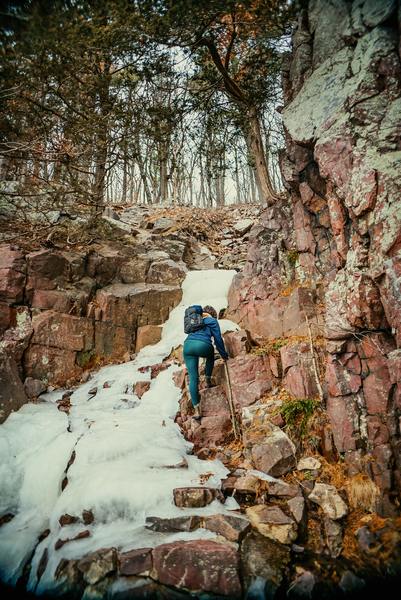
point(213, 401)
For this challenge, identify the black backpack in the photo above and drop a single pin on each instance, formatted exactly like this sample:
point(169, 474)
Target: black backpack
point(193, 321)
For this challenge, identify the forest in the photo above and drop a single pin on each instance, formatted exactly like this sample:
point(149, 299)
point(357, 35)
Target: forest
point(131, 101)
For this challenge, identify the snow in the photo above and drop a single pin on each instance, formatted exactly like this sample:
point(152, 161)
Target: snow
point(127, 456)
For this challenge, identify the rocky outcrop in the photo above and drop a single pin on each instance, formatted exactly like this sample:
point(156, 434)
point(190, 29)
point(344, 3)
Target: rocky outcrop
point(326, 264)
point(341, 114)
point(63, 311)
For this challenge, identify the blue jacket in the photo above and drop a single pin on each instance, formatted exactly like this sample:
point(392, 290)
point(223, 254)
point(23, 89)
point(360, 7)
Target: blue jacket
point(211, 330)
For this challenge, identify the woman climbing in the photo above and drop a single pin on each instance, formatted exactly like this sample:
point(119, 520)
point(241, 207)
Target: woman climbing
point(201, 325)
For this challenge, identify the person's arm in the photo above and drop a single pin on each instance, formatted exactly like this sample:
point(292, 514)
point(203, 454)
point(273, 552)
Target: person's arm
point(216, 333)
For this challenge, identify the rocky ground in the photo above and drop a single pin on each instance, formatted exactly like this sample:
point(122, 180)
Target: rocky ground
point(69, 304)
point(305, 524)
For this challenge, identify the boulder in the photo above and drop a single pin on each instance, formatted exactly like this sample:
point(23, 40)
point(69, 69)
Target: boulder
point(129, 305)
point(12, 393)
point(135, 562)
point(211, 431)
point(236, 342)
point(213, 401)
point(273, 453)
point(198, 566)
point(162, 224)
point(186, 523)
point(273, 523)
point(63, 331)
point(167, 272)
point(297, 363)
point(281, 489)
point(231, 527)
point(245, 487)
point(308, 463)
point(243, 226)
point(327, 497)
point(147, 335)
point(196, 497)
point(250, 378)
point(296, 506)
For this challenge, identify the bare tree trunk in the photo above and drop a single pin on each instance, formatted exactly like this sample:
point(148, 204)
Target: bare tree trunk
point(252, 185)
point(163, 189)
point(257, 155)
point(237, 182)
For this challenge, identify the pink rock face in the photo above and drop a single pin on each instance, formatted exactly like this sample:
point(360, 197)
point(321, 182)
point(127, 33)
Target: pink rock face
point(338, 220)
point(377, 381)
point(298, 374)
point(12, 274)
point(147, 335)
point(335, 158)
point(250, 378)
point(199, 565)
point(378, 432)
point(303, 233)
point(236, 342)
point(301, 301)
point(343, 374)
point(214, 402)
point(63, 331)
point(343, 414)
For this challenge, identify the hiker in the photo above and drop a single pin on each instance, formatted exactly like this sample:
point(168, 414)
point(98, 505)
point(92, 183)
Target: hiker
point(201, 325)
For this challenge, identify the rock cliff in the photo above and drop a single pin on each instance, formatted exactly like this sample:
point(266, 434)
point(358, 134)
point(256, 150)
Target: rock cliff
point(341, 267)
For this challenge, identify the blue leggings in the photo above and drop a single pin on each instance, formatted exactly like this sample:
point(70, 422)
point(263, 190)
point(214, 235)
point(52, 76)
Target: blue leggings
point(193, 350)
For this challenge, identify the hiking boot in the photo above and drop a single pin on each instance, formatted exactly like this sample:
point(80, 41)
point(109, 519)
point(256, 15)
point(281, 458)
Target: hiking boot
point(209, 382)
point(197, 415)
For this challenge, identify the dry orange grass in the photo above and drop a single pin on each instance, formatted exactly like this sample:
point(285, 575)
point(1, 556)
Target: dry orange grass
point(362, 493)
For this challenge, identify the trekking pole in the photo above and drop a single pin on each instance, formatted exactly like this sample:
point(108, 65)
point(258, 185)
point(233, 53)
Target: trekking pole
point(237, 433)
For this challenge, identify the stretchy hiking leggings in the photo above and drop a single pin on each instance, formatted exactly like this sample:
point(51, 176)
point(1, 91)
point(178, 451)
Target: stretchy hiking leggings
point(193, 350)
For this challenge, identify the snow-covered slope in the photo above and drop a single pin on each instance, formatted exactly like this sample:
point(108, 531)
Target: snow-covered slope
point(126, 453)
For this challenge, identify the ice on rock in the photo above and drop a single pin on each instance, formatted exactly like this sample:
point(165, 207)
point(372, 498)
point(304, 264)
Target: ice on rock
point(126, 455)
